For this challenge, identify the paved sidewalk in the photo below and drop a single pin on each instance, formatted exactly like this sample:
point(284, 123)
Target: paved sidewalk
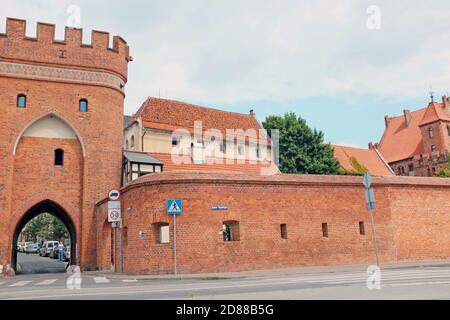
point(274, 272)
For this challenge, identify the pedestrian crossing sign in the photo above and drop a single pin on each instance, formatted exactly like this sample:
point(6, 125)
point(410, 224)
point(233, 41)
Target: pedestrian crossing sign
point(174, 207)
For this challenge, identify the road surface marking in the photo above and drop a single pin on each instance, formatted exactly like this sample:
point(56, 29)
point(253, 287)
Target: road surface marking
point(101, 280)
point(47, 282)
point(129, 280)
point(416, 284)
point(20, 284)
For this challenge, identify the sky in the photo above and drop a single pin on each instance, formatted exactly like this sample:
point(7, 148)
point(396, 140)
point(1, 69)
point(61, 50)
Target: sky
point(341, 65)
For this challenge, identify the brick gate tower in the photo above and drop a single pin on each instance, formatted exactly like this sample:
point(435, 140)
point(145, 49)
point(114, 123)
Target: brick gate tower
point(61, 127)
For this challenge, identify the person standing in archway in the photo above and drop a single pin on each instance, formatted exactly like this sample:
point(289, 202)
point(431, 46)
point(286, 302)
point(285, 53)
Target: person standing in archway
point(61, 251)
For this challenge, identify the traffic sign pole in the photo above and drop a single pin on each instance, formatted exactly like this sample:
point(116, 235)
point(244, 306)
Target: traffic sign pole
point(175, 271)
point(374, 237)
point(114, 245)
point(370, 202)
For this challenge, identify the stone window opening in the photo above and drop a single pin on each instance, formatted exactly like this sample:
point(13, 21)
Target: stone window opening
point(132, 142)
point(83, 105)
point(21, 101)
point(433, 148)
point(283, 230)
point(362, 229)
point(430, 132)
point(231, 231)
point(161, 231)
point(325, 230)
point(59, 157)
point(448, 130)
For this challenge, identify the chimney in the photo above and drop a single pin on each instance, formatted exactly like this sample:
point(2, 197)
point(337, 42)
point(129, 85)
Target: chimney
point(445, 102)
point(386, 121)
point(371, 147)
point(408, 118)
point(252, 112)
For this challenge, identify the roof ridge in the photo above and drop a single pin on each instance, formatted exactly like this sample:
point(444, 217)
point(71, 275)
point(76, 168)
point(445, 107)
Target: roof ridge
point(198, 106)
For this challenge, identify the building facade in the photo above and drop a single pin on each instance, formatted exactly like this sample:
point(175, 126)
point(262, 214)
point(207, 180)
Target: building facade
point(417, 143)
point(221, 142)
point(60, 131)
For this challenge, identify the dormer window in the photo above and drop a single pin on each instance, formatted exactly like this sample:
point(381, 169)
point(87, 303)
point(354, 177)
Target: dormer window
point(21, 101)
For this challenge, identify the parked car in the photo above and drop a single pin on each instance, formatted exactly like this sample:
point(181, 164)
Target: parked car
point(32, 248)
point(54, 252)
point(22, 246)
point(67, 253)
point(47, 248)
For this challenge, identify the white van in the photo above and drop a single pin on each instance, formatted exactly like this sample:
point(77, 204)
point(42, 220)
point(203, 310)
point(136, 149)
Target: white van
point(47, 247)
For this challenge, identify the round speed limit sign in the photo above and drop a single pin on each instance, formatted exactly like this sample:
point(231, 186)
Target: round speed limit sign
point(114, 215)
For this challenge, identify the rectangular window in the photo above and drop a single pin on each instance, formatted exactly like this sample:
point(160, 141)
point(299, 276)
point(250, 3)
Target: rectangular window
point(231, 231)
point(161, 233)
point(325, 230)
point(283, 229)
point(362, 229)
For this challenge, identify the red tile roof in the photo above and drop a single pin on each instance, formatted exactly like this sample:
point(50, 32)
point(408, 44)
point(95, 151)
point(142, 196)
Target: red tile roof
point(370, 159)
point(171, 114)
point(434, 112)
point(400, 142)
point(212, 165)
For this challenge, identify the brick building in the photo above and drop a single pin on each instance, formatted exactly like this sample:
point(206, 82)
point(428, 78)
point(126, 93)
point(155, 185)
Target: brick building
point(62, 114)
point(417, 143)
point(222, 141)
point(54, 155)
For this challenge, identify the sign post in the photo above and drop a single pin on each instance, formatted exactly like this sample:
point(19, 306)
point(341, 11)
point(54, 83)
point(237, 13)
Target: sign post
point(115, 218)
point(174, 208)
point(370, 203)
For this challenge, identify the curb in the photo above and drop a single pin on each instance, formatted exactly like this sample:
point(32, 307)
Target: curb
point(273, 273)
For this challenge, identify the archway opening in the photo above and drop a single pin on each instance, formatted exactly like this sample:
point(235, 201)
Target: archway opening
point(44, 236)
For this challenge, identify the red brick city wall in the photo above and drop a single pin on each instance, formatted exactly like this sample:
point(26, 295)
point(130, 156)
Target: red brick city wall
point(261, 205)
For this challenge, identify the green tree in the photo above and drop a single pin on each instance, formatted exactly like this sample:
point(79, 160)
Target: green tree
point(46, 226)
point(302, 149)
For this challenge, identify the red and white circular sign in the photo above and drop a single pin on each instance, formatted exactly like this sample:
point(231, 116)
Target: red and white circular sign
point(114, 195)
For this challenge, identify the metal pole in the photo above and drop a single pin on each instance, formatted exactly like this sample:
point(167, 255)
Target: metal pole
point(374, 237)
point(114, 246)
point(120, 248)
point(175, 244)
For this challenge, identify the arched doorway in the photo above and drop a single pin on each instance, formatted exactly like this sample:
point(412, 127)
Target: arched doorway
point(54, 209)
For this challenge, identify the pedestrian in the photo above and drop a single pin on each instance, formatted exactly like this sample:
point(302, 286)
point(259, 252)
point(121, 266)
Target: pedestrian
point(61, 251)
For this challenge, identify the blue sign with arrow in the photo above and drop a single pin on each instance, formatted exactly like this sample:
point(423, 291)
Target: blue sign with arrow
point(175, 207)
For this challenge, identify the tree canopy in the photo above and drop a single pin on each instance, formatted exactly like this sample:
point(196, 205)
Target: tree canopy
point(301, 149)
point(47, 227)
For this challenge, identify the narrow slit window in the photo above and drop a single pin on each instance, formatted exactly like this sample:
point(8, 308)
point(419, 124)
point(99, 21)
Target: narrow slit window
point(362, 229)
point(59, 157)
point(325, 230)
point(83, 105)
point(21, 101)
point(283, 229)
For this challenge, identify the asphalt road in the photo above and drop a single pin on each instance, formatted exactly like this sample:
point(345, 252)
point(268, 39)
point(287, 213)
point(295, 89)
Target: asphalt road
point(33, 263)
point(402, 284)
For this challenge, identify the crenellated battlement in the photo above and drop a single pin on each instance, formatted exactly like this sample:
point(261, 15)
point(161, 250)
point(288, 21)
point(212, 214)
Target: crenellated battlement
point(15, 46)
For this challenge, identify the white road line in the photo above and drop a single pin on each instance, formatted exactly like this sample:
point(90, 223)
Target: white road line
point(129, 280)
point(47, 282)
point(415, 284)
point(101, 280)
point(20, 284)
point(383, 278)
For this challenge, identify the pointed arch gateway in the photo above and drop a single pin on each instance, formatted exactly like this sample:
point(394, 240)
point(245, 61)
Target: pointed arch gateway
point(53, 208)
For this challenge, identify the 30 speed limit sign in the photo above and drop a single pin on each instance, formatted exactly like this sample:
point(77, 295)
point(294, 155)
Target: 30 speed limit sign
point(114, 215)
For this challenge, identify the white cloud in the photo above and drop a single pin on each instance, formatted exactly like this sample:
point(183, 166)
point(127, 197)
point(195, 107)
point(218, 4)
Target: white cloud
point(235, 51)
